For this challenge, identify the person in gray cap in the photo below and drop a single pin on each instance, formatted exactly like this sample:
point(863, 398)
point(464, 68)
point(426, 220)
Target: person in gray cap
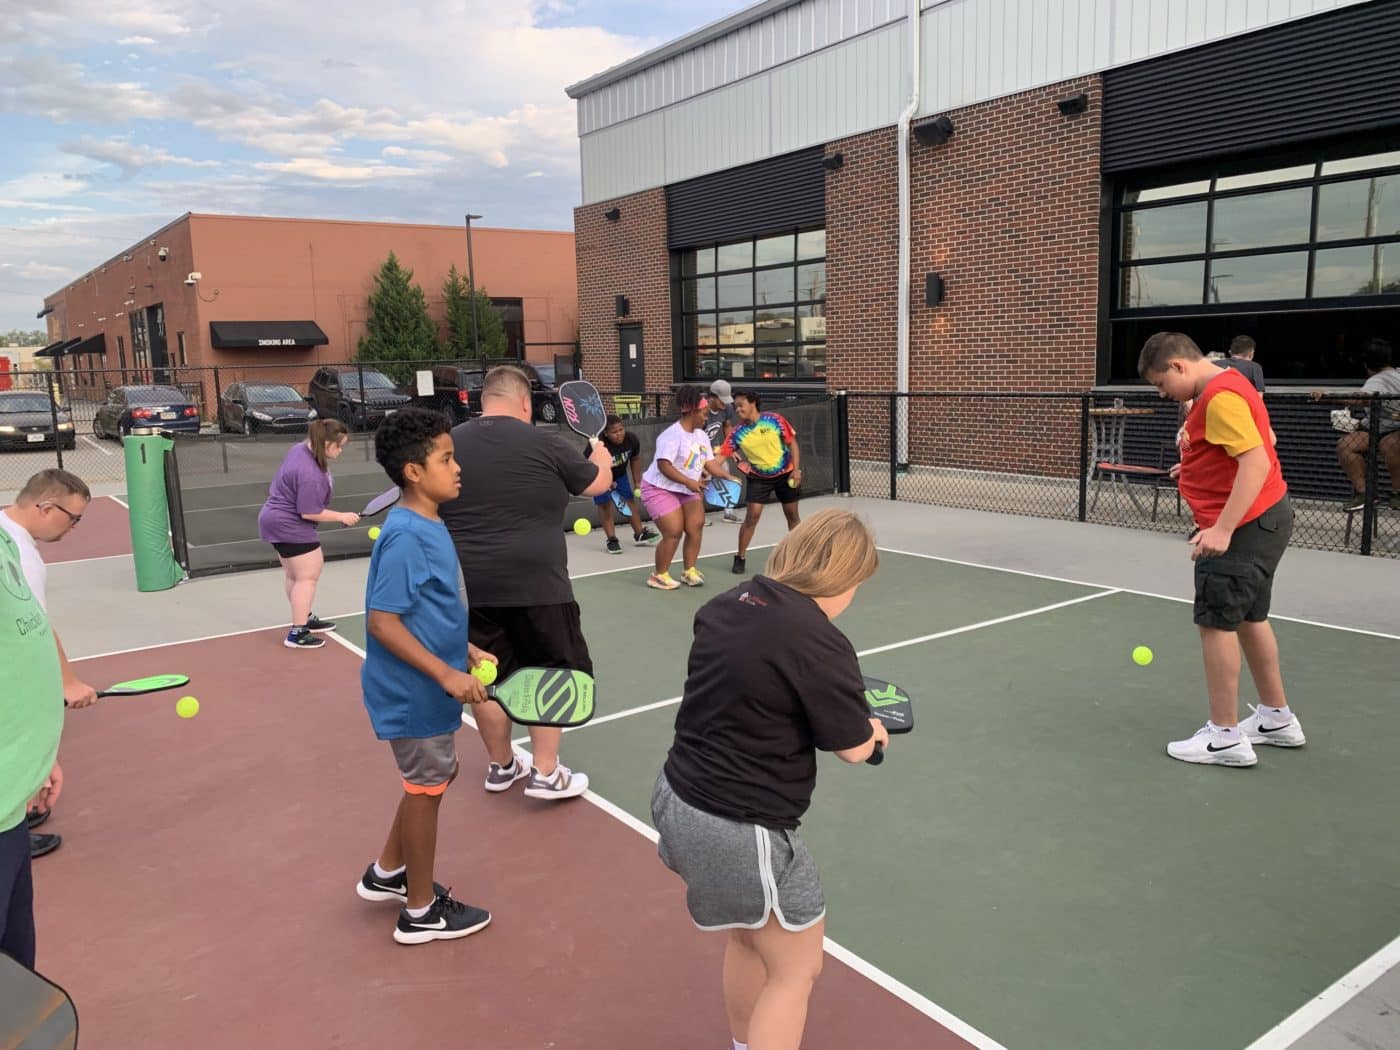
point(718, 424)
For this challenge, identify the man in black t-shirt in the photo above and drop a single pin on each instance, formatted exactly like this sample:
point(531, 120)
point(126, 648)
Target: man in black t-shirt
point(1240, 357)
point(507, 526)
point(626, 453)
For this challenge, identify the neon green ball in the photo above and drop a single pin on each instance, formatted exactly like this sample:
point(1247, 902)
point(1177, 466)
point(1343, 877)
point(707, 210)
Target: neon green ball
point(485, 671)
point(187, 707)
point(582, 527)
point(374, 532)
point(1142, 656)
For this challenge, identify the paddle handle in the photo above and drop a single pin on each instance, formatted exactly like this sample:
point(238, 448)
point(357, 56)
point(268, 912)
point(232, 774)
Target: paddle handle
point(877, 756)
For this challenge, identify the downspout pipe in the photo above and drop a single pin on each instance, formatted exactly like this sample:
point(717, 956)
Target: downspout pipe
point(901, 423)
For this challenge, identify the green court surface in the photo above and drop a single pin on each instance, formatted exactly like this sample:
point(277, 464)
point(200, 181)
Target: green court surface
point(1028, 858)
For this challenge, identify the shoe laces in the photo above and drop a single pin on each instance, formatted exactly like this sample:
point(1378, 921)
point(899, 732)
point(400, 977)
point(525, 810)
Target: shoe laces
point(445, 903)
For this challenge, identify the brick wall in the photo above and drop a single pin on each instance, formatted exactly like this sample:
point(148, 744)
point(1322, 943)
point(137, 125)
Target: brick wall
point(627, 257)
point(1007, 211)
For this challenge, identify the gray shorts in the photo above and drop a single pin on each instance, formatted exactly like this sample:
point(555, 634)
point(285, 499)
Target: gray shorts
point(736, 874)
point(426, 765)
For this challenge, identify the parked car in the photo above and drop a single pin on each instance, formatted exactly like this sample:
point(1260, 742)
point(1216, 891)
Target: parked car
point(544, 394)
point(335, 393)
point(162, 407)
point(27, 421)
point(247, 408)
point(456, 392)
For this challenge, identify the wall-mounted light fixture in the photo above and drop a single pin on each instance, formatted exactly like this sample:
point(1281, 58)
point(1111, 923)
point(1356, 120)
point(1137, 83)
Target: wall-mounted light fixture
point(833, 161)
point(622, 306)
point(933, 289)
point(614, 215)
point(934, 131)
point(1074, 104)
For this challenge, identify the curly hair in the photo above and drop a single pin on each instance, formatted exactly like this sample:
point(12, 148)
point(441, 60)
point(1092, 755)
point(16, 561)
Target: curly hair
point(407, 437)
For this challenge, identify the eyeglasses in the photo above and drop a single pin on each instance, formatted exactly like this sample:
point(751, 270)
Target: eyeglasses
point(74, 518)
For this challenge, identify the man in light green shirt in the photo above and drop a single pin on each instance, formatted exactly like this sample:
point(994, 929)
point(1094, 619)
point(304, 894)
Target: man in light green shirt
point(31, 721)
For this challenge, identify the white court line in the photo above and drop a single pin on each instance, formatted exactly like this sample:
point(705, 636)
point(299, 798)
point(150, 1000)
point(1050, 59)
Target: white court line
point(629, 568)
point(1130, 590)
point(94, 444)
point(950, 632)
point(209, 638)
point(1337, 995)
point(119, 502)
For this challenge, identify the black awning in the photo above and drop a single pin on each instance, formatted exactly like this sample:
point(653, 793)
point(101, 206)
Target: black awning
point(93, 344)
point(240, 335)
point(57, 349)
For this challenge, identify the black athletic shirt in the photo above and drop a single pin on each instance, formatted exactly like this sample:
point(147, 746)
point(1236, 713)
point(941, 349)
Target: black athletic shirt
point(508, 522)
point(626, 450)
point(770, 679)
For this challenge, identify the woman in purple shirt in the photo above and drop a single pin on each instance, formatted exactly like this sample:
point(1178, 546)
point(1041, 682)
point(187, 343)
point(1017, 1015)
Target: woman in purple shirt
point(300, 496)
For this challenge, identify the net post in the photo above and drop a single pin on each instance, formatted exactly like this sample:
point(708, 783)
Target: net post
point(1084, 457)
point(53, 414)
point(894, 447)
point(843, 444)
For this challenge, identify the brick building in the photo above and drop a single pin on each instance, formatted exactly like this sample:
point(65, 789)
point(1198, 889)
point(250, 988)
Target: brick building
point(235, 291)
point(1079, 175)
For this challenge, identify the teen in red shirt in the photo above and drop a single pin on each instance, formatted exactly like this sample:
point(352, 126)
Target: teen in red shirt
point(1230, 477)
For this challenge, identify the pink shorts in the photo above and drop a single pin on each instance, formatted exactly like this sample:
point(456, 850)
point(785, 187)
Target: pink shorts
point(660, 502)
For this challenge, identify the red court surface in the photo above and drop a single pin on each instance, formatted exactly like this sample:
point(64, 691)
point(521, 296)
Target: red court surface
point(204, 894)
point(104, 532)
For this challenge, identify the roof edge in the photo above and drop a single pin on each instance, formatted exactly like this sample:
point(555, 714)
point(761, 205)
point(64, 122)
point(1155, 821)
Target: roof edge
point(691, 40)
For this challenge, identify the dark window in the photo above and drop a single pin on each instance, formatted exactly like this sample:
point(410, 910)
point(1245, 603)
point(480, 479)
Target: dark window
point(1215, 250)
point(512, 312)
point(752, 309)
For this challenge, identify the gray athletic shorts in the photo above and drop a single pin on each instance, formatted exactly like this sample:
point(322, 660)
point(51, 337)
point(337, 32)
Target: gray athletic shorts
point(736, 874)
point(427, 765)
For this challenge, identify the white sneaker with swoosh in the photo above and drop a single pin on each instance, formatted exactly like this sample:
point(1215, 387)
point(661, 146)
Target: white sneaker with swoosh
point(1211, 746)
point(1261, 729)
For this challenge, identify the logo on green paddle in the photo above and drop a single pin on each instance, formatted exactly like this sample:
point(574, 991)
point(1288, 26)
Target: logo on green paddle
point(885, 697)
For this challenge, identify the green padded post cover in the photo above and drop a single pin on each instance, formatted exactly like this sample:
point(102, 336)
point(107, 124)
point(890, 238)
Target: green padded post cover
point(148, 512)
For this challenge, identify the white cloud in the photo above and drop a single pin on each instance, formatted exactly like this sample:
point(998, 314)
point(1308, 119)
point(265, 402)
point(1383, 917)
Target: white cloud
point(136, 41)
point(130, 157)
point(338, 171)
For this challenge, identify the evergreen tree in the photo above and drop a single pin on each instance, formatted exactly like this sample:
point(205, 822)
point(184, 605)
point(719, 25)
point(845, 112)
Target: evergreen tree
point(490, 334)
point(399, 328)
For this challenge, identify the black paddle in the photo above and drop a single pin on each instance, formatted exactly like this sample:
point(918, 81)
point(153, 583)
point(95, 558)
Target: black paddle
point(890, 704)
point(583, 409)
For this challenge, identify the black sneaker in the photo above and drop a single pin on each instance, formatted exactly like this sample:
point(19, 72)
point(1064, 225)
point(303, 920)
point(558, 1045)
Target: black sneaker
point(41, 844)
point(614, 547)
point(738, 567)
point(1352, 504)
point(646, 538)
point(446, 920)
point(316, 625)
point(301, 638)
point(394, 888)
point(36, 816)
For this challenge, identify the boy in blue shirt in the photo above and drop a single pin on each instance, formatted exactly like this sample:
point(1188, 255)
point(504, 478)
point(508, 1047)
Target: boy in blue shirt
point(415, 676)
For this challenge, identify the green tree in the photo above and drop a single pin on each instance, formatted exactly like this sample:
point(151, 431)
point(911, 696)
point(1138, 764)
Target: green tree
point(399, 328)
point(23, 337)
point(490, 334)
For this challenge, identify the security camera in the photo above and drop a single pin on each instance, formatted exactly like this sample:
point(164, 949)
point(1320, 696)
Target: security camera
point(163, 254)
point(193, 278)
point(190, 282)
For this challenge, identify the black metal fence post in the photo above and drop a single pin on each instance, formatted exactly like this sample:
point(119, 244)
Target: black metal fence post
point(53, 413)
point(894, 447)
point(1373, 469)
point(843, 444)
point(1084, 400)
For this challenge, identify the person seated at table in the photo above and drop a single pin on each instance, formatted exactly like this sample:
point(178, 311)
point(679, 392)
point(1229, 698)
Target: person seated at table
point(1381, 378)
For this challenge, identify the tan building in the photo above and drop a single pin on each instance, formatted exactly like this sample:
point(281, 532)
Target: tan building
point(227, 290)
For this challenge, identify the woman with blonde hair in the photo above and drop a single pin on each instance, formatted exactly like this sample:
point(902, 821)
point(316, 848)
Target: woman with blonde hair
point(741, 772)
point(298, 498)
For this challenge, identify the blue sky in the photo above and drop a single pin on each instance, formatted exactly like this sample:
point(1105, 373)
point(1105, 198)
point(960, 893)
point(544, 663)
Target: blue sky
point(118, 116)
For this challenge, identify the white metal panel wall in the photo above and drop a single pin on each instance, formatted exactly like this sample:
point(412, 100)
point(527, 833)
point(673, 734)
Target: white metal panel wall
point(719, 130)
point(624, 158)
point(976, 50)
point(782, 37)
point(841, 91)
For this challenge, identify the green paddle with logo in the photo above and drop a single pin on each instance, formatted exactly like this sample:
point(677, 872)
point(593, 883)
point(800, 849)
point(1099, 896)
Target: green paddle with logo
point(155, 683)
point(545, 696)
point(891, 705)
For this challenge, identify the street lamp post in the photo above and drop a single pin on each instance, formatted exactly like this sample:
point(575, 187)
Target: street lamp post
point(471, 284)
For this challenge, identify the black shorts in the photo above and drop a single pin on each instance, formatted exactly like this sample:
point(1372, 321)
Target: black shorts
point(16, 896)
point(1237, 586)
point(295, 550)
point(530, 636)
point(763, 490)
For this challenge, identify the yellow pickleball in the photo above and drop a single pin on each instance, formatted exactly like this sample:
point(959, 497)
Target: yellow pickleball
point(374, 532)
point(187, 707)
point(1142, 656)
point(485, 671)
point(582, 527)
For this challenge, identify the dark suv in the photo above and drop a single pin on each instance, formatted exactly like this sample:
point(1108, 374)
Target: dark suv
point(543, 392)
point(335, 394)
point(456, 392)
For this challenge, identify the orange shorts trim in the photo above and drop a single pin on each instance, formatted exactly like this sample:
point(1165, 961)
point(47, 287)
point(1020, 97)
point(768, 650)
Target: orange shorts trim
point(425, 789)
